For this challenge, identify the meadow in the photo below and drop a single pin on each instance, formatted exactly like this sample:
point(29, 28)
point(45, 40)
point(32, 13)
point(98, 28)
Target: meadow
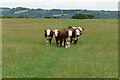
point(26, 55)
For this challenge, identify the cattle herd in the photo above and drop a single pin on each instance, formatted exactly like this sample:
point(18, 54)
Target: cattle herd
point(63, 37)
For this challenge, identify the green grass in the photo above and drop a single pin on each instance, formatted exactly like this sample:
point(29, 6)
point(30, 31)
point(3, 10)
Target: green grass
point(57, 15)
point(25, 54)
point(21, 11)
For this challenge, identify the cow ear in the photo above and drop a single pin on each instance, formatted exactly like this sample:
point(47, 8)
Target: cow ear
point(82, 28)
point(44, 30)
point(52, 31)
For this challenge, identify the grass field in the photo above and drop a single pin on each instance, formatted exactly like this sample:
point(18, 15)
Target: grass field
point(25, 54)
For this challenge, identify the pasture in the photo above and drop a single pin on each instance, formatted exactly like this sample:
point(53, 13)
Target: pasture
point(26, 55)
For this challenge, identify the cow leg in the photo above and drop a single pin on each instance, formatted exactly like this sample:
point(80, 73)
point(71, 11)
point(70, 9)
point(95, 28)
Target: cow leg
point(56, 42)
point(71, 40)
point(50, 41)
point(61, 42)
point(47, 41)
point(75, 42)
point(64, 43)
point(67, 44)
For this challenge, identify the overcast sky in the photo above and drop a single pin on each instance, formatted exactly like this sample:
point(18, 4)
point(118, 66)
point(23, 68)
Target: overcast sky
point(63, 4)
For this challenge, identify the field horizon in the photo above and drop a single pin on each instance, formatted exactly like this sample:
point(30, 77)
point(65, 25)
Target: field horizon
point(26, 55)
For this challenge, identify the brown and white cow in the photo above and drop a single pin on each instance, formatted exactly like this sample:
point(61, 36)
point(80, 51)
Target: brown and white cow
point(48, 35)
point(81, 29)
point(63, 36)
point(76, 32)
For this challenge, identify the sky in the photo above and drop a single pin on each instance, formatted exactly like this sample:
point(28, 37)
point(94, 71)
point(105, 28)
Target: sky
point(63, 4)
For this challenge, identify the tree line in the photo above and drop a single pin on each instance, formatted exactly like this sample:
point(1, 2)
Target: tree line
point(57, 13)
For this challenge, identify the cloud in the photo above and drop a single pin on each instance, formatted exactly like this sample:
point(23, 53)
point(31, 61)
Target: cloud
point(59, 1)
point(62, 4)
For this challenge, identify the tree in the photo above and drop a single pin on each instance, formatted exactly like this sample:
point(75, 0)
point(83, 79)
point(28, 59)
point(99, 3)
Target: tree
point(82, 16)
point(50, 17)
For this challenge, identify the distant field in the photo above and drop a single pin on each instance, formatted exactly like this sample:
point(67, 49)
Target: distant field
point(25, 54)
point(21, 11)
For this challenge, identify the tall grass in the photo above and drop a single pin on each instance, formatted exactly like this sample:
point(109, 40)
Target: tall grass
point(25, 54)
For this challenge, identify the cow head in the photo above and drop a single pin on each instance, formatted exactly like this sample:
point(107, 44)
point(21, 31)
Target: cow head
point(77, 32)
point(81, 29)
point(47, 31)
point(56, 33)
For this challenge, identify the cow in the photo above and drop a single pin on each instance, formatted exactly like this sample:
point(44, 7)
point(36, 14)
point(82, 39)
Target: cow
point(76, 32)
point(48, 34)
point(63, 36)
point(81, 29)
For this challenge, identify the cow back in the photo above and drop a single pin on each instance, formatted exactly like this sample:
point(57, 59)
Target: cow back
point(63, 33)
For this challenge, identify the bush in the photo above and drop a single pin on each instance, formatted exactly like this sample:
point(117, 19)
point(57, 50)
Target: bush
point(50, 17)
point(82, 16)
point(12, 17)
point(6, 17)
